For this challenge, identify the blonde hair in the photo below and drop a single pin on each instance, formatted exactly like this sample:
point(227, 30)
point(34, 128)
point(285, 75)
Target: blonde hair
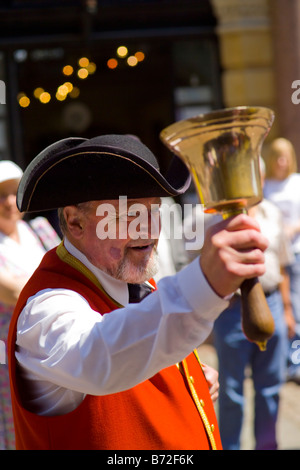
point(275, 150)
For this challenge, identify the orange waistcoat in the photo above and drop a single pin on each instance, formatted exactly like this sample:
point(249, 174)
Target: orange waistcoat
point(172, 410)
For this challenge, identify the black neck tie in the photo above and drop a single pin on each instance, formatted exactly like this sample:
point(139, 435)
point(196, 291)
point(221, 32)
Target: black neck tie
point(137, 292)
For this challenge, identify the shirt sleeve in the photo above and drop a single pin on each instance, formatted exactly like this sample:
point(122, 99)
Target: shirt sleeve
point(62, 340)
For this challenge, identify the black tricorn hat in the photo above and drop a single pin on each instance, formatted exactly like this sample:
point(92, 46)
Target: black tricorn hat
point(75, 170)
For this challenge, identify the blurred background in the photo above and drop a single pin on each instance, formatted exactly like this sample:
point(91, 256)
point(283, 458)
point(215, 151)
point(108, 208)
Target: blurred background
point(87, 67)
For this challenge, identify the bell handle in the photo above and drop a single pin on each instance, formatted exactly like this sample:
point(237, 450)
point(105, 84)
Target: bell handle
point(257, 319)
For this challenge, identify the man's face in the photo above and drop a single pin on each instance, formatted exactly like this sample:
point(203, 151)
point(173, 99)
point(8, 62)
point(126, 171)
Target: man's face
point(121, 237)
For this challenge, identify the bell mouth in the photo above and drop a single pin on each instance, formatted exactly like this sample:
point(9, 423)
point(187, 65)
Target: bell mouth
point(221, 150)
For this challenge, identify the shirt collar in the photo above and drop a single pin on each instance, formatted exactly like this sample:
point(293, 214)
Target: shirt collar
point(117, 289)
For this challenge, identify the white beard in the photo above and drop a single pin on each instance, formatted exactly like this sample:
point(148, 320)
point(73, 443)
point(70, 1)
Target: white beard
point(129, 272)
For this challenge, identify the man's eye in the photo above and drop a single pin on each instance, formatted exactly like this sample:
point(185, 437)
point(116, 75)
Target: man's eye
point(131, 214)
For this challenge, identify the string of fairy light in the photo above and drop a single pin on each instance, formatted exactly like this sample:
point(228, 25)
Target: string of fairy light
point(85, 68)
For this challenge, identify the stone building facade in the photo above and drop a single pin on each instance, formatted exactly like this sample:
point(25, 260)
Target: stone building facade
point(260, 55)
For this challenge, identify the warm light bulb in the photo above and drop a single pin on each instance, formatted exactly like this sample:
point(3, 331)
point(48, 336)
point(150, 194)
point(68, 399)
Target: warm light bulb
point(60, 97)
point(75, 92)
point(122, 51)
point(37, 92)
point(140, 56)
point(24, 101)
point(69, 86)
point(82, 73)
point(62, 90)
point(112, 63)
point(68, 70)
point(91, 68)
point(83, 62)
point(45, 97)
point(132, 61)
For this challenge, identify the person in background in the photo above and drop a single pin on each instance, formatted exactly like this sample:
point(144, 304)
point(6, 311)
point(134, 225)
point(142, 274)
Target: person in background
point(21, 251)
point(282, 188)
point(172, 257)
point(171, 253)
point(236, 354)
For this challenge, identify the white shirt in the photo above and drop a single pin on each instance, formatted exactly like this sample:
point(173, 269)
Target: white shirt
point(279, 252)
point(286, 195)
point(67, 350)
point(170, 248)
point(24, 256)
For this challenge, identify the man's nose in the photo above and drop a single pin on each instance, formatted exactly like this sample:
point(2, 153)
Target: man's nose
point(145, 226)
point(155, 224)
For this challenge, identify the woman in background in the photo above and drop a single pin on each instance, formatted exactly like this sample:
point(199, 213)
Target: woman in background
point(282, 187)
point(21, 250)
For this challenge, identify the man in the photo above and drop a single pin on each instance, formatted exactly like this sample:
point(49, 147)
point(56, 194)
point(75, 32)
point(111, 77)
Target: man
point(128, 378)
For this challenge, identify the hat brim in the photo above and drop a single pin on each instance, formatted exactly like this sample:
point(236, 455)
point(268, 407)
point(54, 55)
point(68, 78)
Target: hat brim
point(92, 171)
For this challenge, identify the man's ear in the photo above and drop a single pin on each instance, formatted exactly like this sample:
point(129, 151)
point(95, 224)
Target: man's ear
point(74, 221)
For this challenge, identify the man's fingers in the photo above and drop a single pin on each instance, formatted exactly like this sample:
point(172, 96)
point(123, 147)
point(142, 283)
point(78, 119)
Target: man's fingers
point(233, 251)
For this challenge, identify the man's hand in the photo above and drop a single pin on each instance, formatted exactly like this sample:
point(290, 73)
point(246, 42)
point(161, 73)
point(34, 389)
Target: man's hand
point(233, 251)
point(212, 377)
